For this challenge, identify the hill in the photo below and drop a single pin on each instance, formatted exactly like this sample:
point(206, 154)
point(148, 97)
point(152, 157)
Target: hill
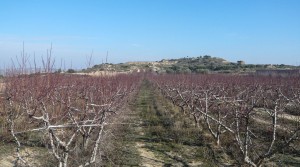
point(201, 64)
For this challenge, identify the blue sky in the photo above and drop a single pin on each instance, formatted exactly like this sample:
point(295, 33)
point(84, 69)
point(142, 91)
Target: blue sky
point(256, 31)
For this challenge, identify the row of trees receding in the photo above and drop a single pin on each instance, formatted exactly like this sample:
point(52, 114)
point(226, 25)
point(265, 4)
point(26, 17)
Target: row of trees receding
point(66, 113)
point(256, 117)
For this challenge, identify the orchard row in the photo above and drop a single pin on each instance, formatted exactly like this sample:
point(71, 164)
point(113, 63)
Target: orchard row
point(256, 117)
point(66, 113)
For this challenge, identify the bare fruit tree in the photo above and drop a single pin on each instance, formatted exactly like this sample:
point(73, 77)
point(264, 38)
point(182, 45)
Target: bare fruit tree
point(251, 112)
point(68, 113)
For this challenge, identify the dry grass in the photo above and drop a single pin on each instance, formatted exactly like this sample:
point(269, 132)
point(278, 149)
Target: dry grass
point(102, 73)
point(148, 157)
point(289, 117)
point(2, 86)
point(36, 156)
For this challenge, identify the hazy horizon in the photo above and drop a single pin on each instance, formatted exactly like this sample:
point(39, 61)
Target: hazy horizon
point(258, 32)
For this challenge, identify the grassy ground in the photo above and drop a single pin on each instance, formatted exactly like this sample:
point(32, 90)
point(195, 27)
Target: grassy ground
point(155, 133)
point(36, 156)
point(118, 145)
point(165, 132)
point(164, 136)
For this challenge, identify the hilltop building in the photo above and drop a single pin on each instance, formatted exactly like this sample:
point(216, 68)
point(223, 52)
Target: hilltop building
point(240, 62)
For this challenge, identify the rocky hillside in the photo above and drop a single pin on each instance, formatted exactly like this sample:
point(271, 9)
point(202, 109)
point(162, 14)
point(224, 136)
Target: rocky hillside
point(201, 64)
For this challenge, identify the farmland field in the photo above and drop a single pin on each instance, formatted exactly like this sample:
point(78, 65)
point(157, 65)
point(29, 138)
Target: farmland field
point(149, 120)
point(150, 83)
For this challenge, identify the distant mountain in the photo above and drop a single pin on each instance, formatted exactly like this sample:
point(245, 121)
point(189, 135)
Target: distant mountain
point(201, 64)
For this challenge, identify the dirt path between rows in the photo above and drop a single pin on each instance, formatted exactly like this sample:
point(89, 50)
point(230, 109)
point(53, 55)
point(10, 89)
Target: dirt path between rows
point(148, 157)
point(154, 137)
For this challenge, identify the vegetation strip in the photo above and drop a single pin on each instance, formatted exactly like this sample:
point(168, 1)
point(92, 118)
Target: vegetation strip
point(165, 139)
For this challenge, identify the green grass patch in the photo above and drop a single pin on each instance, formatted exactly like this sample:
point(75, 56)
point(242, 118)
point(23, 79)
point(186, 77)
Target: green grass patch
point(169, 133)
